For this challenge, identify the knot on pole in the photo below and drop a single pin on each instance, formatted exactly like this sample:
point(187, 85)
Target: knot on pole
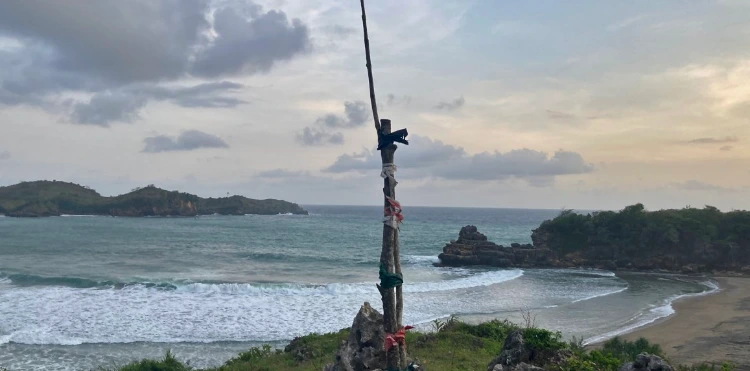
point(385, 140)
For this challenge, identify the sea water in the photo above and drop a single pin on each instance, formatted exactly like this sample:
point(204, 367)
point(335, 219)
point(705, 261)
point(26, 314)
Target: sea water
point(81, 292)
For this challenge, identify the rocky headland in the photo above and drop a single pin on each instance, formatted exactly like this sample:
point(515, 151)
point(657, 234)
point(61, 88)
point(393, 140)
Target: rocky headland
point(686, 241)
point(54, 198)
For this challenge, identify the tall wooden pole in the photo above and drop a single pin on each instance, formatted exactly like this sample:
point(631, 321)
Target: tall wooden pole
point(369, 70)
point(389, 257)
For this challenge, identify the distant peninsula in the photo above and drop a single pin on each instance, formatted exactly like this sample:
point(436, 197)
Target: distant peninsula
point(54, 198)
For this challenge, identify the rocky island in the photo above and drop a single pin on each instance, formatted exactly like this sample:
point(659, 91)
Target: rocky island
point(54, 198)
point(686, 240)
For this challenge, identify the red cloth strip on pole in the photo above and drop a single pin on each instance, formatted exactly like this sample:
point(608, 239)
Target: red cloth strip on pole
point(392, 340)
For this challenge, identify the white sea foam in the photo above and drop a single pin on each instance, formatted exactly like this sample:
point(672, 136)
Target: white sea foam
point(600, 295)
point(654, 314)
point(213, 312)
point(421, 259)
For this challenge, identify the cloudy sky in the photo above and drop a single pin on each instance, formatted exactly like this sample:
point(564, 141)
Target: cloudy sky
point(535, 104)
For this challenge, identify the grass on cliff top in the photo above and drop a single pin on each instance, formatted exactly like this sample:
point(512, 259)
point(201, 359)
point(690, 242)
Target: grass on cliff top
point(454, 346)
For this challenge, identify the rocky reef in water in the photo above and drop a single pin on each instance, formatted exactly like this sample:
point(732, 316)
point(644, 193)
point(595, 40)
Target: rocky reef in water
point(54, 198)
point(473, 248)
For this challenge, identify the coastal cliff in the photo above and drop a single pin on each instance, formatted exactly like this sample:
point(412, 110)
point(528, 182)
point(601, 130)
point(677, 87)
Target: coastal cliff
point(687, 240)
point(53, 198)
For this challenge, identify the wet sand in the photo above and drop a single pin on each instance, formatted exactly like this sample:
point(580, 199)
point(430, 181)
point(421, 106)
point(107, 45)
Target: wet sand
point(712, 328)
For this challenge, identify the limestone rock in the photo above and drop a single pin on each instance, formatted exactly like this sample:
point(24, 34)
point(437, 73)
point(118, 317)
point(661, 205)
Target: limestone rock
point(514, 352)
point(646, 362)
point(364, 349)
point(519, 367)
point(473, 248)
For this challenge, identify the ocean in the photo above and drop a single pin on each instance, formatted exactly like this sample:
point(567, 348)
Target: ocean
point(80, 292)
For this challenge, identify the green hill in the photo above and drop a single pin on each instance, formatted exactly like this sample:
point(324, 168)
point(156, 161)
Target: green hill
point(688, 240)
point(52, 198)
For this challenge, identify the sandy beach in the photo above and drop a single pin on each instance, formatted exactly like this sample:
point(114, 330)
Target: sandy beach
point(711, 328)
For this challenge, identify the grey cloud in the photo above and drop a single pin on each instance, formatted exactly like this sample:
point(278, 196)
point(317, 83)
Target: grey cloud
point(283, 174)
point(202, 95)
point(124, 105)
point(104, 108)
point(726, 148)
point(186, 141)
point(427, 157)
point(356, 114)
point(521, 163)
point(123, 41)
point(116, 49)
point(343, 31)
point(394, 100)
point(140, 40)
point(732, 139)
point(312, 136)
point(253, 45)
point(4, 155)
point(557, 115)
point(695, 185)
point(452, 105)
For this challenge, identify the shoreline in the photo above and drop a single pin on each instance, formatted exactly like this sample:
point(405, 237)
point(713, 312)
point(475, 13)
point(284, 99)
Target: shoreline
point(714, 327)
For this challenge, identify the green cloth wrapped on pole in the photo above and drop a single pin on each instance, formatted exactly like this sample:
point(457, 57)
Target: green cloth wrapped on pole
point(389, 280)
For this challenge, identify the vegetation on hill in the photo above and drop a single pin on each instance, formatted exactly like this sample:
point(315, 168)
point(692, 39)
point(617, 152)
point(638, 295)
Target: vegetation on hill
point(453, 345)
point(688, 240)
point(52, 198)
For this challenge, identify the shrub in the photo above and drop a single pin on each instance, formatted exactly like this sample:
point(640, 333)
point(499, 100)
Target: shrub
point(627, 350)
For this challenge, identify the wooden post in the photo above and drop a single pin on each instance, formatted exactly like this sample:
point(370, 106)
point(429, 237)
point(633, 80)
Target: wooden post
point(388, 255)
point(393, 305)
point(369, 70)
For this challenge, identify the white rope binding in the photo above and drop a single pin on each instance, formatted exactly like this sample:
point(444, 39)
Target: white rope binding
point(389, 171)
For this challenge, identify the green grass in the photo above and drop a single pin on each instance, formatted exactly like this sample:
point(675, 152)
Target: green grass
point(454, 346)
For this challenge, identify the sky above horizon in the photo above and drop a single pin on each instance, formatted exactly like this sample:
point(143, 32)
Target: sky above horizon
point(524, 104)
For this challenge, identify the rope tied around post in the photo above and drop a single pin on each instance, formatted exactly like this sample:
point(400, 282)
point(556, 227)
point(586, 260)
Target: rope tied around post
point(389, 280)
point(389, 171)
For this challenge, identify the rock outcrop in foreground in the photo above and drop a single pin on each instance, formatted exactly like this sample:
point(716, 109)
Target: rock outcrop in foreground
point(518, 355)
point(647, 362)
point(45, 198)
point(365, 347)
point(473, 248)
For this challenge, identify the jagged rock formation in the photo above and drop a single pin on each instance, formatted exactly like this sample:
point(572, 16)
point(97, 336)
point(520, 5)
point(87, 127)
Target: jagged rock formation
point(646, 362)
point(364, 349)
point(45, 198)
point(517, 355)
point(473, 248)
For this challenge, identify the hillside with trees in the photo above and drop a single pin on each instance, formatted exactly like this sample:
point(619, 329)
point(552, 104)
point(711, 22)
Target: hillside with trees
point(688, 240)
point(53, 198)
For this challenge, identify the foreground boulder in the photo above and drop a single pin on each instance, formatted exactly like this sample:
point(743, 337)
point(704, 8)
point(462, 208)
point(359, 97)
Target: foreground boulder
point(473, 248)
point(517, 355)
point(364, 349)
point(646, 362)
